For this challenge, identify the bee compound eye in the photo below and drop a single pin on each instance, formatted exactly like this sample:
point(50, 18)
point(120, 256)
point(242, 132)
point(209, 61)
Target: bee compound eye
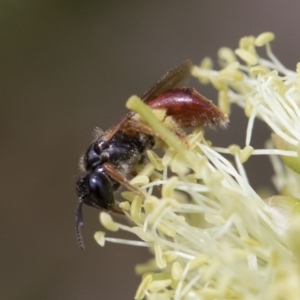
point(96, 190)
point(101, 192)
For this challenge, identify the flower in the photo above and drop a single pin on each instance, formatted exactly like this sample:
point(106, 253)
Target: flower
point(212, 235)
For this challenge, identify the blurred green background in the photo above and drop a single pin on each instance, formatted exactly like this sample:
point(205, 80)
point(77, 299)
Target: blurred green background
point(69, 66)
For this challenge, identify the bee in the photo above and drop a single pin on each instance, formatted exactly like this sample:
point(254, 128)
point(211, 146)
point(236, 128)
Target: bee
point(111, 157)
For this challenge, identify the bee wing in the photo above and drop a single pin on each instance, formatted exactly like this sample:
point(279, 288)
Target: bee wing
point(170, 80)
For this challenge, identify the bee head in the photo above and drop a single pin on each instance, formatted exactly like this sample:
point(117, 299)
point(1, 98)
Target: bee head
point(94, 189)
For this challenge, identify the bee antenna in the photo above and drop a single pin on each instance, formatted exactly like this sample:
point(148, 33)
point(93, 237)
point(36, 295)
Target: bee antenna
point(79, 224)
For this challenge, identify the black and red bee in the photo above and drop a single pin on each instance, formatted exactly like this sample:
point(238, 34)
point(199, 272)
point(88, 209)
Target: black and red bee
point(114, 153)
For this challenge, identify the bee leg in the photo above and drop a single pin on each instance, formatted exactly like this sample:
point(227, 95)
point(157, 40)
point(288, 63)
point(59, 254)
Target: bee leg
point(168, 121)
point(110, 169)
point(118, 212)
point(137, 126)
point(174, 126)
point(133, 173)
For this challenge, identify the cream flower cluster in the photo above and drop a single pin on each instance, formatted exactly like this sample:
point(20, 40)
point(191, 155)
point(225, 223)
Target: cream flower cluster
point(211, 234)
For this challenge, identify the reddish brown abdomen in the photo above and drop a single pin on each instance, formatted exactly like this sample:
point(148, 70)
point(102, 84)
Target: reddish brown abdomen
point(188, 108)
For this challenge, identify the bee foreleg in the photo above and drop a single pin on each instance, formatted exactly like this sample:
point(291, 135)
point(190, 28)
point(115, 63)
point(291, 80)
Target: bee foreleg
point(111, 170)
